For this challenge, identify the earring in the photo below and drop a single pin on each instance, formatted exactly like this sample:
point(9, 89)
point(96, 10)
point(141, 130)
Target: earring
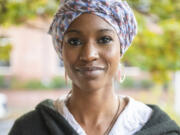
point(120, 77)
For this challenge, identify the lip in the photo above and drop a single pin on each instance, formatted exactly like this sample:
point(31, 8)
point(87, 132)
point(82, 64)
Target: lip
point(89, 68)
point(90, 72)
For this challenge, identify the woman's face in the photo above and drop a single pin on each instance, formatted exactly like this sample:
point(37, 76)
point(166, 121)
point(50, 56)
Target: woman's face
point(91, 52)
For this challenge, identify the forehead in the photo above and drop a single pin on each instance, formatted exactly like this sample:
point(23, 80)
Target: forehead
point(90, 22)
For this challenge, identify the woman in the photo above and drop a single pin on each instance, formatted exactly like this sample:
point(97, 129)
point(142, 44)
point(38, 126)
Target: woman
point(91, 36)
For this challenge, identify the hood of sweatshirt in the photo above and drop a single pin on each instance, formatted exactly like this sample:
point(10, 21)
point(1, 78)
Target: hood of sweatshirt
point(55, 122)
point(158, 124)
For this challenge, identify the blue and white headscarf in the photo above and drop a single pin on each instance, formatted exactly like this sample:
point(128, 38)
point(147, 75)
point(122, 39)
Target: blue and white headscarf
point(115, 12)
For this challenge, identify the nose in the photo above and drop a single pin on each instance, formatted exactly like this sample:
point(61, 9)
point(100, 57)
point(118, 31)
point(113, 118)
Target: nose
point(89, 52)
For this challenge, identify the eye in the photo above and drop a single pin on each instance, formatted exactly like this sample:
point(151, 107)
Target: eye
point(74, 41)
point(105, 40)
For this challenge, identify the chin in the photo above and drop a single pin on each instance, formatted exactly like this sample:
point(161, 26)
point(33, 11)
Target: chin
point(90, 85)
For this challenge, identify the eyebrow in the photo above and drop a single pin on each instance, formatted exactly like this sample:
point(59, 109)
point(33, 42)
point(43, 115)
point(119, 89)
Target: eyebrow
point(73, 31)
point(105, 30)
point(99, 31)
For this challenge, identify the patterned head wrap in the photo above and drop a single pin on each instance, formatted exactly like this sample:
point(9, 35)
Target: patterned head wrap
point(115, 12)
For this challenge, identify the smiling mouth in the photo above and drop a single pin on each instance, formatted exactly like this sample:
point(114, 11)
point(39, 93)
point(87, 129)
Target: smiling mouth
point(93, 68)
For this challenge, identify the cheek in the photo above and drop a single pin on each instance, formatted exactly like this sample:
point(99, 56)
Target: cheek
point(69, 57)
point(113, 59)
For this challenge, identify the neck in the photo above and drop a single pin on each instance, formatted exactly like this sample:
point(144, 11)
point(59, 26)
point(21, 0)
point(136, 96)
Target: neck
point(92, 106)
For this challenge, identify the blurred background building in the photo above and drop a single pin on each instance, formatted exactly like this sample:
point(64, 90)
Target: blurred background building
point(32, 55)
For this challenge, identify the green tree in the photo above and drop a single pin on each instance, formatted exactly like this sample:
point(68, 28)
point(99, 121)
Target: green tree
point(157, 45)
point(17, 12)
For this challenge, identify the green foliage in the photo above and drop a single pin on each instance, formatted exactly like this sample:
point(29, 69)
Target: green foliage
point(157, 45)
point(165, 9)
point(131, 83)
point(5, 49)
point(34, 84)
point(2, 82)
point(16, 12)
point(128, 83)
point(5, 52)
point(58, 82)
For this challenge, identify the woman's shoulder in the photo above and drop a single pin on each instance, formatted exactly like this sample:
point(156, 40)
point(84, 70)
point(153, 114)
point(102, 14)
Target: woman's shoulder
point(34, 115)
point(43, 120)
point(43, 108)
point(30, 122)
point(160, 117)
point(159, 123)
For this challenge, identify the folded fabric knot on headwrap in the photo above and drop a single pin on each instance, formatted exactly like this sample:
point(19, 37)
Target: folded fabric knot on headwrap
point(115, 12)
